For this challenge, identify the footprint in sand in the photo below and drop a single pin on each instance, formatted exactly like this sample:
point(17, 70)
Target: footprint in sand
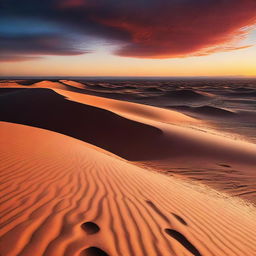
point(90, 228)
point(181, 220)
point(183, 240)
point(157, 210)
point(93, 251)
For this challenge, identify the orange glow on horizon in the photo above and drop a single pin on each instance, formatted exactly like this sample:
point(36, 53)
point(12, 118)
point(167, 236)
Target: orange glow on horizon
point(236, 63)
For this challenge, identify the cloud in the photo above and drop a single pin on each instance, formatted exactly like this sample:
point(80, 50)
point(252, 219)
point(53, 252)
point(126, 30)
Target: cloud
point(23, 48)
point(38, 45)
point(23, 39)
point(170, 29)
point(16, 58)
point(139, 28)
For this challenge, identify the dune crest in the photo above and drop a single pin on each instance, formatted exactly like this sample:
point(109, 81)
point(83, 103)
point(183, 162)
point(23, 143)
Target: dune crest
point(206, 110)
point(180, 140)
point(129, 109)
point(53, 184)
point(33, 84)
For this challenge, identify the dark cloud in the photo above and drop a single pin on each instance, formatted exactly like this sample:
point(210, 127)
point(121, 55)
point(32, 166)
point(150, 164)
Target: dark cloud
point(37, 45)
point(141, 28)
point(164, 28)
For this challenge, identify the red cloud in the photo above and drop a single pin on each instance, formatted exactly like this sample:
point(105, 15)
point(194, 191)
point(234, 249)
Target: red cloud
point(166, 29)
point(140, 28)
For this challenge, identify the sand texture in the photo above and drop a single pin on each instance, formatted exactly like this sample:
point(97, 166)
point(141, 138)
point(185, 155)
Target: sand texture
point(60, 196)
point(87, 175)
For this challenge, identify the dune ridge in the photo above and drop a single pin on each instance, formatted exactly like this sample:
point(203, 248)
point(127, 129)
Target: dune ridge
point(234, 95)
point(206, 110)
point(34, 84)
point(182, 134)
point(188, 95)
point(154, 132)
point(53, 184)
point(165, 140)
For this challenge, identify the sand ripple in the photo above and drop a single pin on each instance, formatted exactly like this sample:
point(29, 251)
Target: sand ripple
point(52, 185)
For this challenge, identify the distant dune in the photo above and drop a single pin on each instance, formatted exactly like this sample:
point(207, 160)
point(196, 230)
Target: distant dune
point(189, 95)
point(246, 94)
point(33, 84)
point(206, 110)
point(73, 84)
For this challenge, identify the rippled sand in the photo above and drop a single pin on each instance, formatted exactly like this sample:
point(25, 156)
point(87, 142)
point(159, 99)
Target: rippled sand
point(87, 175)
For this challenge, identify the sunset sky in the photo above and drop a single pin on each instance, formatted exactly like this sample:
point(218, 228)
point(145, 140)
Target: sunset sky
point(128, 38)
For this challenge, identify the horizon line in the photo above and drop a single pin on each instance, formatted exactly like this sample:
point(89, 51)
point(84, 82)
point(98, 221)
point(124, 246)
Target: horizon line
point(121, 77)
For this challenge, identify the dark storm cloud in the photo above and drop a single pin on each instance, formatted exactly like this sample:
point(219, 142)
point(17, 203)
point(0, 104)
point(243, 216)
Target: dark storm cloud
point(41, 45)
point(141, 28)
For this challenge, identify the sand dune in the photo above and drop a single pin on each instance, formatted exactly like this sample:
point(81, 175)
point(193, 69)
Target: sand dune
point(32, 84)
point(187, 95)
point(179, 139)
point(46, 109)
point(161, 137)
point(239, 94)
point(73, 84)
point(61, 196)
point(129, 109)
point(38, 84)
point(119, 127)
point(206, 110)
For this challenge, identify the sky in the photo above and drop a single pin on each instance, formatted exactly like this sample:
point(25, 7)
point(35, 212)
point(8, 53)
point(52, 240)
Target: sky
point(128, 38)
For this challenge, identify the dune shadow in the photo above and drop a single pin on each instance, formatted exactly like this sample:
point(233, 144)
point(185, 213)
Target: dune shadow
point(4, 91)
point(46, 109)
point(180, 219)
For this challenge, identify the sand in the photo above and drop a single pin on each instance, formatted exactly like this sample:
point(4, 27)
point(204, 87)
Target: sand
point(86, 175)
point(54, 185)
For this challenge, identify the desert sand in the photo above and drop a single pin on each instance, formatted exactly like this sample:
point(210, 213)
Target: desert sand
point(53, 184)
point(86, 175)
